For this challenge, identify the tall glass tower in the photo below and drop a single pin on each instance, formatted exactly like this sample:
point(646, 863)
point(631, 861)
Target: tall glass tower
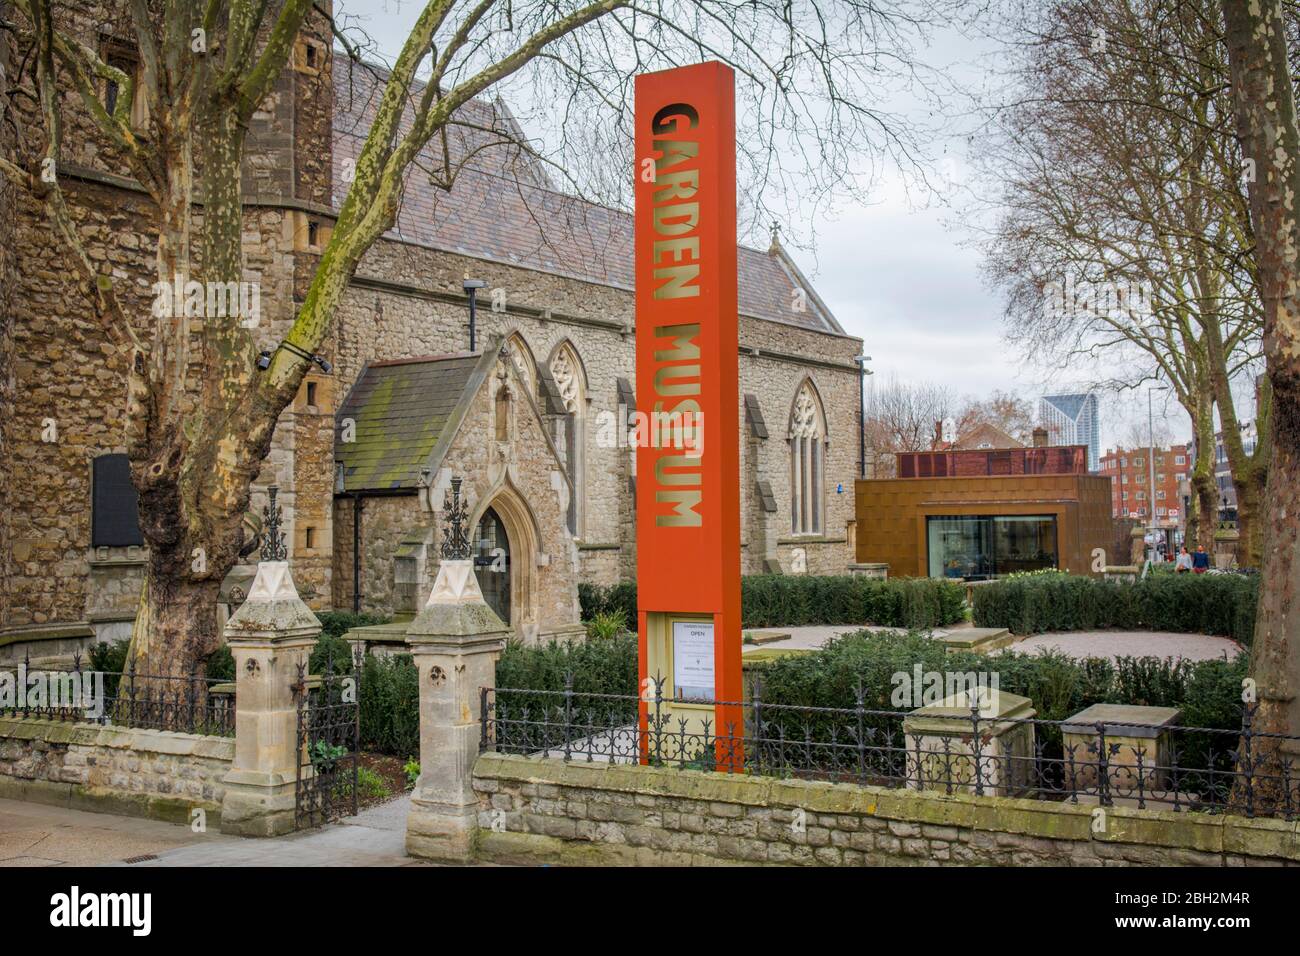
point(1073, 420)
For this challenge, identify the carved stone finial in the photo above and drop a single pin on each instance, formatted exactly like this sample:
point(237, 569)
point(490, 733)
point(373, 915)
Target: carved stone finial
point(273, 548)
point(455, 536)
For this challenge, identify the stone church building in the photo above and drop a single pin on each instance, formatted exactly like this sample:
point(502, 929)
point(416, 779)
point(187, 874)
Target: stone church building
point(532, 416)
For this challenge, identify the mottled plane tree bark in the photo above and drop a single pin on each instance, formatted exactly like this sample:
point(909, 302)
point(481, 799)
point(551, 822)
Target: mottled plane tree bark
point(1266, 122)
point(200, 415)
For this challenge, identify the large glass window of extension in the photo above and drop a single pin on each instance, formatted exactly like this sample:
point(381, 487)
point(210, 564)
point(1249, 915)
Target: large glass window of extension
point(984, 546)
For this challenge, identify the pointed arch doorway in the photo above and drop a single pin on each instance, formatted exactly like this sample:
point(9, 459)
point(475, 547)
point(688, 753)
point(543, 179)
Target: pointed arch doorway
point(505, 549)
point(492, 562)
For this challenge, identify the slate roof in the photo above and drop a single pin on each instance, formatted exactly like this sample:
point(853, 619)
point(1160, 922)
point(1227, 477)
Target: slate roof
point(401, 409)
point(987, 433)
point(504, 207)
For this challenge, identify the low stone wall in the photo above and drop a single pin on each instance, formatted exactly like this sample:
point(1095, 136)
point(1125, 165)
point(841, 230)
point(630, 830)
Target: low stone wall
point(149, 773)
point(545, 810)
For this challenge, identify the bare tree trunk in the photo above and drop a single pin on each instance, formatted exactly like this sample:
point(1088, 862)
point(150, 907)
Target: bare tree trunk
point(1266, 122)
point(1249, 471)
point(176, 626)
point(1205, 498)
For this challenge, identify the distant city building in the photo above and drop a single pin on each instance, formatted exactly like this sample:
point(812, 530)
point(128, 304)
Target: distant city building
point(1223, 470)
point(1227, 491)
point(1131, 494)
point(1073, 420)
point(984, 511)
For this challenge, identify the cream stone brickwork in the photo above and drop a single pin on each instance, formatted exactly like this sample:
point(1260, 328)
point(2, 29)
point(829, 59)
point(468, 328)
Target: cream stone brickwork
point(8, 284)
point(151, 773)
point(519, 476)
point(389, 320)
point(553, 811)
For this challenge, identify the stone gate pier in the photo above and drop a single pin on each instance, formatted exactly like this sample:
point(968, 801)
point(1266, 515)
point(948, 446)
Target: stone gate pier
point(455, 641)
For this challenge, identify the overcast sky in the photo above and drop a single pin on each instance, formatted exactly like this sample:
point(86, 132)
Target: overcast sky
point(900, 271)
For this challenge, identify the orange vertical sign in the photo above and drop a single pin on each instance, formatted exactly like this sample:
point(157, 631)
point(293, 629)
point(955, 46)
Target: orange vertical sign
point(688, 443)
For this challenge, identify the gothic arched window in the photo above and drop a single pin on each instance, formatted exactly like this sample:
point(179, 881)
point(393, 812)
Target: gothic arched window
point(807, 461)
point(570, 436)
point(522, 356)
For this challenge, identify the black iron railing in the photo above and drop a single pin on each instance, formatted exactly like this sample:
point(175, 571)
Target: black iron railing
point(187, 703)
point(329, 741)
point(1242, 771)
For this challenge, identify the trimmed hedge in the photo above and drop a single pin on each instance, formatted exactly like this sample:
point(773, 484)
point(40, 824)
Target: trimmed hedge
point(1220, 604)
point(781, 600)
point(389, 694)
point(599, 666)
point(390, 706)
point(793, 600)
point(1209, 692)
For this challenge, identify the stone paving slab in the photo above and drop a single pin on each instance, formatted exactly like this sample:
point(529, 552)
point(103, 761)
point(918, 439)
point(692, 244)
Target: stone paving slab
point(1113, 644)
point(36, 834)
point(808, 638)
point(374, 837)
point(1109, 644)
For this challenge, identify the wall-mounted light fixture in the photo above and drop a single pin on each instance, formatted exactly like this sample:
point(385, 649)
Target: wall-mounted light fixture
point(264, 359)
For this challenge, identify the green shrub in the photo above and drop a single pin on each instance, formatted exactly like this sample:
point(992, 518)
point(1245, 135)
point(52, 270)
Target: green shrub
point(390, 706)
point(371, 785)
point(606, 624)
point(794, 600)
point(331, 654)
point(1209, 692)
point(110, 659)
point(595, 599)
point(389, 698)
point(1220, 604)
point(599, 667)
point(325, 755)
point(220, 664)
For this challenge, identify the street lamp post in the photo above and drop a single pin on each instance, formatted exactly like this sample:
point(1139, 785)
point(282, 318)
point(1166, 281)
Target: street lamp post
point(863, 372)
point(1151, 471)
